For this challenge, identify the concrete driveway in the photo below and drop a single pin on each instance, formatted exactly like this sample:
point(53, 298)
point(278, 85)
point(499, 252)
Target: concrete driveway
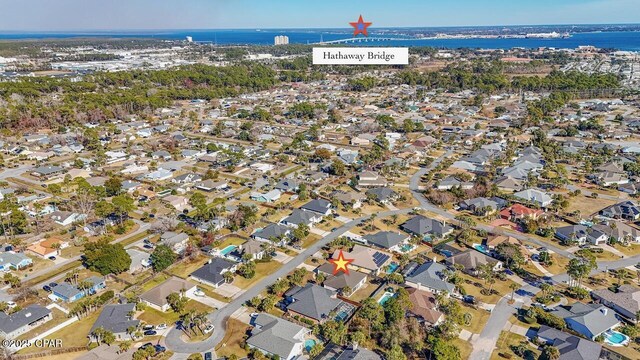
point(211, 302)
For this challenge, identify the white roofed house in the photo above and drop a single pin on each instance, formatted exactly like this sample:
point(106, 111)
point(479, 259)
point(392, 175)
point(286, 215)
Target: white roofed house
point(534, 196)
point(177, 242)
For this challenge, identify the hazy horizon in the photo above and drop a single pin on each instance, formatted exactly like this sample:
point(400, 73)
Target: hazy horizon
point(152, 15)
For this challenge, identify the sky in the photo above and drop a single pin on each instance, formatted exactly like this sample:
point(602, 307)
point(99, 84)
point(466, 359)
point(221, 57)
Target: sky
point(99, 15)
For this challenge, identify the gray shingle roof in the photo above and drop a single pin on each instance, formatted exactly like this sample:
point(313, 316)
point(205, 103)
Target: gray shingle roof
point(314, 302)
point(386, 239)
point(115, 318)
point(13, 322)
point(570, 346)
point(430, 274)
point(212, 272)
point(275, 335)
point(421, 225)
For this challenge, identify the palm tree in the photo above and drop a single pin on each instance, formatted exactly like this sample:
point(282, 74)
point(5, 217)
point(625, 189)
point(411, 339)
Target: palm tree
point(124, 346)
point(551, 353)
point(228, 276)
point(513, 288)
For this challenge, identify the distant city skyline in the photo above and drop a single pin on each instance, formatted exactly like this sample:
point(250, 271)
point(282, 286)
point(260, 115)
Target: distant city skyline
point(95, 15)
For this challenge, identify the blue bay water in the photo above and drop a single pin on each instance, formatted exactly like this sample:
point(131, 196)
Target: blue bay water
point(628, 40)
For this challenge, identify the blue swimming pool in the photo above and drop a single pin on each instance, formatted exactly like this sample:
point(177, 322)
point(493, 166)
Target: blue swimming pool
point(615, 338)
point(392, 267)
point(385, 297)
point(406, 248)
point(227, 250)
point(309, 344)
point(483, 249)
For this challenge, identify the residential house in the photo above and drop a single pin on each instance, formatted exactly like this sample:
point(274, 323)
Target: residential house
point(70, 293)
point(509, 184)
point(589, 320)
point(353, 281)
point(366, 259)
point(619, 231)
point(253, 249)
point(580, 235)
point(625, 301)
point(480, 206)
point(273, 233)
point(23, 321)
point(14, 261)
point(179, 203)
point(47, 172)
point(175, 241)
point(425, 307)
point(371, 179)
point(626, 210)
point(299, 216)
point(211, 185)
point(426, 228)
point(349, 199)
point(47, 247)
point(354, 352)
point(274, 336)
point(287, 185)
point(116, 318)
point(318, 206)
point(269, 197)
point(156, 298)
point(428, 276)
point(391, 241)
point(212, 272)
point(383, 195)
point(472, 260)
point(518, 212)
point(451, 182)
point(66, 218)
point(569, 346)
point(140, 260)
point(534, 196)
point(312, 302)
point(188, 178)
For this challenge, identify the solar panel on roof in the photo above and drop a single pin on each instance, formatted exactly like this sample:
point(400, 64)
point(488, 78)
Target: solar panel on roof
point(380, 258)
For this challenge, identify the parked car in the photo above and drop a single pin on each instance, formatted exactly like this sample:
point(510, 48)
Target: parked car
point(208, 329)
point(161, 326)
point(53, 284)
point(150, 333)
point(46, 288)
point(207, 356)
point(508, 272)
point(147, 327)
point(198, 292)
point(52, 258)
point(11, 304)
point(159, 348)
point(469, 299)
point(146, 345)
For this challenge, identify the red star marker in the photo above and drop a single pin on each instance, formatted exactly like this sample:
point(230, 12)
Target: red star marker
point(341, 264)
point(360, 27)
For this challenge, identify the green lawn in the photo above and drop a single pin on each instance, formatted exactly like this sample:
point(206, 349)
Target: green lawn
point(155, 317)
point(185, 268)
point(233, 339)
point(72, 335)
point(159, 279)
point(262, 269)
point(508, 339)
point(58, 318)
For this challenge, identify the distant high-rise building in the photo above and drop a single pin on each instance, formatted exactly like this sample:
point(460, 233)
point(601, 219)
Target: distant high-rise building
point(281, 40)
point(189, 39)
